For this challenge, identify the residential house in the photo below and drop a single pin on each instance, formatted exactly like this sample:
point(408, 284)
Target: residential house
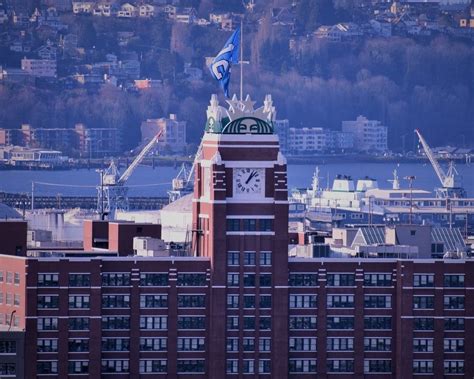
point(79, 7)
point(170, 11)
point(146, 10)
point(47, 51)
point(45, 68)
point(103, 9)
point(128, 10)
point(186, 15)
point(369, 135)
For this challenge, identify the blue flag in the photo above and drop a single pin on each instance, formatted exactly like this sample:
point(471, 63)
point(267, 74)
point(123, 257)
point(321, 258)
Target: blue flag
point(221, 64)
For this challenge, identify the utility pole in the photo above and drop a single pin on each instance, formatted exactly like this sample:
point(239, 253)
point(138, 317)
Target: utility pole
point(410, 179)
point(32, 196)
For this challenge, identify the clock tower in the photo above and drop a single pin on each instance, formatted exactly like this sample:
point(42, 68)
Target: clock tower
point(240, 218)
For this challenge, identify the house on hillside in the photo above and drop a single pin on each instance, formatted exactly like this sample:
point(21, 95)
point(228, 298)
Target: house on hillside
point(146, 10)
point(127, 10)
point(79, 7)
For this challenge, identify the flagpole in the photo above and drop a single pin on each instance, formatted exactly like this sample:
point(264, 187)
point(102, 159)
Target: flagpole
point(242, 59)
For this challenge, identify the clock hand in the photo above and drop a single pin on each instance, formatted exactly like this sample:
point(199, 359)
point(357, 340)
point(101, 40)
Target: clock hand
point(250, 177)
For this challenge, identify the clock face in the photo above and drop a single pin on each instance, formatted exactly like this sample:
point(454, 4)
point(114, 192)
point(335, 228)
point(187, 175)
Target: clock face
point(248, 181)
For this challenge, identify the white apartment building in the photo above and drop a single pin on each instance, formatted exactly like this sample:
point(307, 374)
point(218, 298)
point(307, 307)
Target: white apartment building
point(173, 138)
point(369, 135)
point(306, 140)
point(39, 67)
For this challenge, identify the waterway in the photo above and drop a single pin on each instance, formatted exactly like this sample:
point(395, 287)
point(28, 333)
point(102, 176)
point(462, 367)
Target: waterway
point(147, 181)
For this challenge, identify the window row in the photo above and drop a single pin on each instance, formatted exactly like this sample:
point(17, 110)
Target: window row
point(249, 323)
point(249, 225)
point(249, 279)
point(249, 258)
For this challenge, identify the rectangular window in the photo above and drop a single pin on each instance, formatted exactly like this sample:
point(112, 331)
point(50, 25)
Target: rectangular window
point(78, 345)
point(16, 279)
point(154, 301)
point(46, 345)
point(154, 322)
point(232, 366)
point(153, 365)
point(265, 301)
point(115, 366)
point(340, 280)
point(423, 302)
point(302, 280)
point(334, 322)
point(302, 322)
point(232, 258)
point(115, 323)
point(48, 280)
point(340, 301)
point(423, 323)
point(78, 367)
point(249, 258)
point(453, 324)
point(264, 366)
point(302, 301)
point(377, 280)
point(48, 302)
point(265, 225)
point(340, 344)
point(153, 344)
point(454, 280)
point(377, 323)
point(265, 280)
point(377, 344)
point(248, 344)
point(423, 280)
point(265, 323)
point(78, 323)
point(454, 302)
point(115, 301)
point(79, 280)
point(423, 345)
point(250, 225)
point(191, 301)
point(296, 366)
point(8, 369)
point(302, 344)
point(265, 258)
point(116, 279)
point(454, 367)
point(190, 344)
point(79, 301)
point(232, 301)
point(453, 345)
point(191, 280)
point(249, 366)
point(377, 301)
point(377, 366)
point(232, 344)
point(233, 225)
point(422, 367)
point(233, 279)
point(249, 301)
point(47, 367)
point(115, 344)
point(249, 280)
point(249, 322)
point(264, 344)
point(154, 280)
point(191, 322)
point(232, 323)
point(190, 365)
point(47, 323)
point(340, 365)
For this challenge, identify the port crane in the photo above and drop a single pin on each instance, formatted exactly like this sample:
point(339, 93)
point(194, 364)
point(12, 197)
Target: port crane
point(450, 180)
point(112, 192)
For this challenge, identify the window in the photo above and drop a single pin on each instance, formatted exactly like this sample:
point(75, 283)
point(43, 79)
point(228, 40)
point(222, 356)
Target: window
point(264, 344)
point(340, 344)
point(453, 345)
point(78, 345)
point(47, 367)
point(340, 365)
point(78, 323)
point(249, 366)
point(377, 365)
point(154, 301)
point(9, 277)
point(249, 322)
point(233, 225)
point(191, 301)
point(265, 280)
point(302, 322)
point(377, 280)
point(454, 324)
point(191, 322)
point(232, 323)
point(190, 365)
point(302, 301)
point(265, 323)
point(154, 322)
point(233, 279)
point(264, 366)
point(46, 345)
point(423, 302)
point(48, 280)
point(79, 280)
point(454, 367)
point(265, 258)
point(265, 301)
point(302, 280)
point(115, 365)
point(249, 258)
point(232, 258)
point(423, 323)
point(116, 279)
point(153, 365)
point(250, 225)
point(454, 302)
point(8, 369)
point(115, 301)
point(232, 344)
point(79, 301)
point(190, 344)
point(377, 323)
point(377, 301)
point(154, 280)
point(423, 280)
point(16, 279)
point(377, 344)
point(115, 322)
point(423, 345)
point(78, 367)
point(48, 323)
point(340, 280)
point(248, 344)
point(115, 344)
point(191, 280)
point(1, 276)
point(16, 299)
point(340, 322)
point(249, 301)
point(302, 344)
point(302, 365)
point(249, 280)
point(454, 280)
point(422, 367)
point(265, 225)
point(232, 301)
point(153, 344)
point(232, 366)
point(340, 301)
point(48, 301)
